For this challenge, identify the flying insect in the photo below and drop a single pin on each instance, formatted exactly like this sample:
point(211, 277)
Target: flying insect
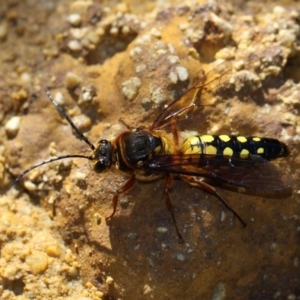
point(149, 153)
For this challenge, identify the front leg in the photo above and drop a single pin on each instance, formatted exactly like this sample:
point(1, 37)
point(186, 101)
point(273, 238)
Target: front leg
point(126, 187)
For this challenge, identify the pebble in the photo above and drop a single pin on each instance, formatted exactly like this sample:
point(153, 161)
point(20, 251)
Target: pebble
point(37, 262)
point(173, 59)
point(30, 186)
point(88, 94)
point(72, 80)
point(25, 78)
point(173, 77)
point(59, 98)
point(9, 272)
point(82, 122)
point(74, 45)
point(54, 250)
point(12, 126)
point(74, 19)
point(131, 87)
point(109, 280)
point(180, 256)
point(182, 73)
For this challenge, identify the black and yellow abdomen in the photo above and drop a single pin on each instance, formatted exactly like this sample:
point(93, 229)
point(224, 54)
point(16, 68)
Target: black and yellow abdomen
point(234, 145)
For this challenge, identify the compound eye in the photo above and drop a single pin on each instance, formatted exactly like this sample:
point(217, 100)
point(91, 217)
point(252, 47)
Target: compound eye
point(103, 156)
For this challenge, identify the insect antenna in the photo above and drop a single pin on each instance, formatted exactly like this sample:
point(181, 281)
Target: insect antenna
point(47, 161)
point(66, 116)
point(80, 134)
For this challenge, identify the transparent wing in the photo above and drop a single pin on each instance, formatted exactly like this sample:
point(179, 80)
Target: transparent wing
point(195, 97)
point(255, 172)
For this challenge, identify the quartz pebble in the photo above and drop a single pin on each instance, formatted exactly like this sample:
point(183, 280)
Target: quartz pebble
point(74, 19)
point(12, 126)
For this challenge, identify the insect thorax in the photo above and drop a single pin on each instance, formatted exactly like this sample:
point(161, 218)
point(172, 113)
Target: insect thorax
point(137, 146)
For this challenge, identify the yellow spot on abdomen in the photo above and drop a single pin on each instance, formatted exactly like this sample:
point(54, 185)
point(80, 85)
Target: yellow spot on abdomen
point(192, 145)
point(241, 139)
point(225, 138)
point(256, 139)
point(244, 153)
point(227, 151)
point(260, 150)
point(211, 150)
point(207, 138)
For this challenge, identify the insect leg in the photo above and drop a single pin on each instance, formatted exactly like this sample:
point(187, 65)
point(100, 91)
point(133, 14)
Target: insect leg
point(127, 186)
point(194, 182)
point(169, 204)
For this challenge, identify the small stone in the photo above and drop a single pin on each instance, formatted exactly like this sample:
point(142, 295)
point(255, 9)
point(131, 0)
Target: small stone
point(53, 250)
point(72, 80)
point(109, 280)
point(25, 77)
point(37, 262)
point(12, 126)
point(19, 95)
point(173, 77)
point(73, 272)
point(130, 88)
point(182, 73)
point(30, 186)
point(136, 51)
point(155, 32)
point(80, 176)
point(82, 122)
point(59, 98)
point(114, 31)
point(9, 272)
point(180, 256)
point(162, 229)
point(88, 93)
point(74, 45)
point(147, 289)
point(141, 67)
point(157, 95)
point(173, 59)
point(74, 19)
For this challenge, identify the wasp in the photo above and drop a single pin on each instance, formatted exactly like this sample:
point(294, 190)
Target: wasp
point(147, 153)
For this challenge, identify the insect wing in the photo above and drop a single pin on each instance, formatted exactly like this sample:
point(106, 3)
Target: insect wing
point(255, 172)
point(202, 90)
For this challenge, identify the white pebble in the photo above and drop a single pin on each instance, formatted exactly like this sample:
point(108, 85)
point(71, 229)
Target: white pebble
point(74, 19)
point(29, 185)
point(80, 176)
point(162, 229)
point(131, 87)
point(155, 32)
point(88, 93)
point(82, 122)
point(173, 59)
point(182, 73)
point(173, 77)
point(25, 77)
point(141, 67)
point(59, 98)
point(12, 126)
point(74, 45)
point(180, 256)
point(135, 51)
